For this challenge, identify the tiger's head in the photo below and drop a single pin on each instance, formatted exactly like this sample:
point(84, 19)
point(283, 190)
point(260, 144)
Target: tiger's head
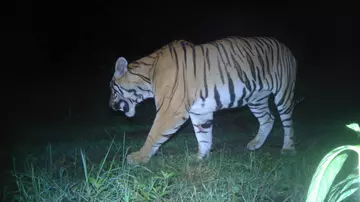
point(128, 87)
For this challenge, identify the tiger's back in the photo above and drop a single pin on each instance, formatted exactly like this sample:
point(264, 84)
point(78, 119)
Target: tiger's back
point(232, 72)
point(194, 81)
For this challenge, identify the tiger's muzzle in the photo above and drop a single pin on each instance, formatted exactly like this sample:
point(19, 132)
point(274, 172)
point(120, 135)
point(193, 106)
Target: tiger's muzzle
point(121, 105)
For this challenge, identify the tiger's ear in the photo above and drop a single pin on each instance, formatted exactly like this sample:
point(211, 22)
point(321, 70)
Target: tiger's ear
point(120, 67)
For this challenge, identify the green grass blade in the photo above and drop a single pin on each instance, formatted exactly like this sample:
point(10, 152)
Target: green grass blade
point(340, 187)
point(347, 194)
point(327, 170)
point(325, 175)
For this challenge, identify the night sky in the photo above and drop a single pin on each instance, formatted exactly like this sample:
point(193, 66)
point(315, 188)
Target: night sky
point(58, 50)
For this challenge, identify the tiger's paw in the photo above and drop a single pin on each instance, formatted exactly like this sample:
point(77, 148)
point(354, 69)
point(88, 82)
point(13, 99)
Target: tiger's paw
point(288, 152)
point(254, 144)
point(136, 158)
point(195, 159)
point(203, 157)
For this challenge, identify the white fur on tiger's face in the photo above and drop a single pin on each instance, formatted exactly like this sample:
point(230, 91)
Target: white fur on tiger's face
point(120, 100)
point(123, 95)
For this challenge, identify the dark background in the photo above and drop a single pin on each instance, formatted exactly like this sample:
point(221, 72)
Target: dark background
point(61, 54)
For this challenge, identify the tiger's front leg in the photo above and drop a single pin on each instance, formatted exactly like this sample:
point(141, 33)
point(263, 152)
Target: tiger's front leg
point(165, 124)
point(203, 125)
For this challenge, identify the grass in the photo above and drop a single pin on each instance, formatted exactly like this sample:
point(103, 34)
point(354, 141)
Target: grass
point(95, 170)
point(253, 176)
point(172, 175)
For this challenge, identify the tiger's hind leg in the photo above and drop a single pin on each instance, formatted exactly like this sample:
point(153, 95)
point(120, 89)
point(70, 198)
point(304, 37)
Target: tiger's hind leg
point(285, 105)
point(260, 109)
point(203, 126)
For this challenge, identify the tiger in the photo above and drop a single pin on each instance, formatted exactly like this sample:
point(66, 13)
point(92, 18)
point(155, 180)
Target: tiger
point(194, 81)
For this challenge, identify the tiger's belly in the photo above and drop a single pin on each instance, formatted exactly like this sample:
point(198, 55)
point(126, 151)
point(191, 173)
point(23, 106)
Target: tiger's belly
point(204, 106)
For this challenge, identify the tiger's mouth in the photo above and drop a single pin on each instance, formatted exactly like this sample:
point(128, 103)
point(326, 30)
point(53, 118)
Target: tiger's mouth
point(122, 105)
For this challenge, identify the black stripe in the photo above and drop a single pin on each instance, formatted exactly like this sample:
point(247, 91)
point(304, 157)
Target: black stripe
point(241, 75)
point(259, 56)
point(176, 83)
point(201, 95)
point(260, 45)
point(240, 52)
point(262, 116)
point(233, 51)
point(248, 46)
point(241, 100)
point(264, 108)
point(251, 66)
point(252, 90)
point(204, 141)
point(263, 98)
point(149, 91)
point(277, 83)
point(184, 49)
point(265, 70)
point(205, 79)
point(194, 59)
point(231, 90)
point(288, 119)
point(195, 113)
point(208, 58)
point(225, 52)
point(169, 135)
point(184, 97)
point(246, 81)
point(218, 49)
point(144, 78)
point(202, 50)
point(256, 104)
point(259, 79)
point(139, 62)
point(221, 73)
point(277, 55)
point(170, 49)
point(217, 98)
